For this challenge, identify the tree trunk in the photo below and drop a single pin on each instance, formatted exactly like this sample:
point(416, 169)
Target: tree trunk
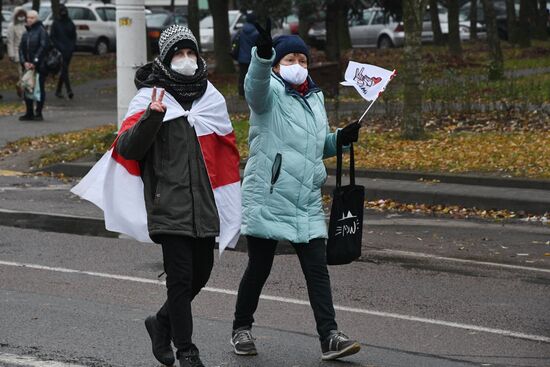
point(436, 25)
point(172, 5)
point(36, 5)
point(524, 39)
point(412, 126)
point(304, 22)
point(338, 37)
point(193, 19)
point(542, 21)
point(55, 9)
point(455, 48)
point(1, 38)
point(473, 20)
point(512, 22)
point(222, 39)
point(496, 66)
point(332, 49)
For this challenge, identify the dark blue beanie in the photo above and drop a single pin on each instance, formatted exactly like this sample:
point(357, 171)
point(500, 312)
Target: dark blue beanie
point(289, 44)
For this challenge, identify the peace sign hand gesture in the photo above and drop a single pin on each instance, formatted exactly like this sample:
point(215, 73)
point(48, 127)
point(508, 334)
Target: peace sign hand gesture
point(156, 104)
point(264, 42)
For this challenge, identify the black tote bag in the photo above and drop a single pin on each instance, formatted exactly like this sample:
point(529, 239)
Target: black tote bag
point(345, 230)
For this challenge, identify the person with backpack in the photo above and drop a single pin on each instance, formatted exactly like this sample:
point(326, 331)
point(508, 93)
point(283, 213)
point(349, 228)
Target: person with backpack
point(245, 40)
point(281, 192)
point(63, 37)
point(32, 52)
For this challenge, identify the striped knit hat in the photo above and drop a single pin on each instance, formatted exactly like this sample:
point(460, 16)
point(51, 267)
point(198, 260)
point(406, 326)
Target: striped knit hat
point(173, 39)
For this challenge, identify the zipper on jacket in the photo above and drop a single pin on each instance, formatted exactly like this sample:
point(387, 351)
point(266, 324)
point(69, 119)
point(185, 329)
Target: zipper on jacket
point(275, 170)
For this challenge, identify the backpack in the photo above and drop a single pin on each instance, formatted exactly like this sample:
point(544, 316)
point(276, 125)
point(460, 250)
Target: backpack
point(235, 45)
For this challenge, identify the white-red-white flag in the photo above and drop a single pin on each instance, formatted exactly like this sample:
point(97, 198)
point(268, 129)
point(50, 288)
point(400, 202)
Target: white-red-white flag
point(368, 80)
point(114, 184)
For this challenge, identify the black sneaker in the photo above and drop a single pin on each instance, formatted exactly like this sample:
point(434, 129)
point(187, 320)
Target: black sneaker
point(26, 117)
point(338, 345)
point(243, 342)
point(160, 340)
point(190, 358)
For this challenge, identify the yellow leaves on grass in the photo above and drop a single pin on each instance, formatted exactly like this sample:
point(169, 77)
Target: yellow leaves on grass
point(522, 154)
point(7, 109)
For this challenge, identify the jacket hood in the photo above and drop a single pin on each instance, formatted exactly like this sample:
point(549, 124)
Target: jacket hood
point(16, 11)
point(142, 74)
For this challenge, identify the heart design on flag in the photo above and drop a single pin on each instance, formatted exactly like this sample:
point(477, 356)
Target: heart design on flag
point(376, 79)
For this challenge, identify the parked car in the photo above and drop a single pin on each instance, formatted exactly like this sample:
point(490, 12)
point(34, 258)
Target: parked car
point(95, 24)
point(236, 22)
point(463, 27)
point(369, 28)
point(158, 21)
point(6, 19)
point(290, 24)
point(500, 13)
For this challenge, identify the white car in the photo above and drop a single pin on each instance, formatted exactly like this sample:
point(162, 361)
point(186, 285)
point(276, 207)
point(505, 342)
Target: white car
point(95, 23)
point(6, 20)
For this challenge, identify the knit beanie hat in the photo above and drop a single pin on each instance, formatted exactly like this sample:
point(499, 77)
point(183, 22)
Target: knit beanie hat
point(173, 39)
point(288, 44)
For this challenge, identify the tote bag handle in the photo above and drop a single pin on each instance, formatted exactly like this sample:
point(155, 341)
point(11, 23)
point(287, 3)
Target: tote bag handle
point(339, 163)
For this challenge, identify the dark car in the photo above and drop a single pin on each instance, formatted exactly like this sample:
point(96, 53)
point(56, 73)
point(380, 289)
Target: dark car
point(158, 21)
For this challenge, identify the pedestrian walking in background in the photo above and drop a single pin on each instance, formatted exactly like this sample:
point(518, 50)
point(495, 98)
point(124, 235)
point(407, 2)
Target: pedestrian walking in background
point(16, 29)
point(281, 192)
point(176, 136)
point(63, 37)
point(247, 38)
point(32, 52)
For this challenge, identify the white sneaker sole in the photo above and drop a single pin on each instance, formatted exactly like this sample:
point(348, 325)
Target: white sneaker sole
point(352, 349)
point(240, 353)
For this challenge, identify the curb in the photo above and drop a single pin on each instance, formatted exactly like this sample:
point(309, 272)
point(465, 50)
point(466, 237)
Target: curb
point(487, 193)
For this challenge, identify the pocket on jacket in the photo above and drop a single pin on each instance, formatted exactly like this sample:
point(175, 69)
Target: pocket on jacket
point(276, 170)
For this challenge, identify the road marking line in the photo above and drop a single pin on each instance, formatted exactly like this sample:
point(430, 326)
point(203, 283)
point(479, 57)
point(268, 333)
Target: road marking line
point(29, 361)
point(514, 334)
point(421, 255)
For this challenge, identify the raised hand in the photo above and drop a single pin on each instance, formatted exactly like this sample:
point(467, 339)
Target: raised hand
point(156, 104)
point(264, 42)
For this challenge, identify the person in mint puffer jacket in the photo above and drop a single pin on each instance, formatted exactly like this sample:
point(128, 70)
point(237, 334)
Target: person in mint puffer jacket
point(281, 191)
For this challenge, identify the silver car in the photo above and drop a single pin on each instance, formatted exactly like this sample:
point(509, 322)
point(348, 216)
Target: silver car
point(370, 28)
point(95, 23)
point(6, 20)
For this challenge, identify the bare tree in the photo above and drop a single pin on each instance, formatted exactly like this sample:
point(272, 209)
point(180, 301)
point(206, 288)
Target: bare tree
point(36, 5)
point(338, 37)
point(193, 19)
point(172, 5)
point(1, 38)
point(412, 126)
point(436, 25)
point(524, 39)
point(473, 20)
point(541, 21)
point(512, 22)
point(496, 67)
point(222, 39)
point(455, 48)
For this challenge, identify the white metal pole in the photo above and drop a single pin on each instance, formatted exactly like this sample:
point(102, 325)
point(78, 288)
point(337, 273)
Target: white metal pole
point(131, 50)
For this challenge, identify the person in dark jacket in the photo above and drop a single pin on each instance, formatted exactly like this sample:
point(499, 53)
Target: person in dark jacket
point(63, 36)
point(181, 211)
point(32, 52)
point(247, 40)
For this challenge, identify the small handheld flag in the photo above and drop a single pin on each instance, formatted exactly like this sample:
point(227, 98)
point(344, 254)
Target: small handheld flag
point(369, 81)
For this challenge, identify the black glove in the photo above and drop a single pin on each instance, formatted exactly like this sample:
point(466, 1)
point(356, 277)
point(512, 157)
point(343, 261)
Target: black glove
point(264, 42)
point(350, 133)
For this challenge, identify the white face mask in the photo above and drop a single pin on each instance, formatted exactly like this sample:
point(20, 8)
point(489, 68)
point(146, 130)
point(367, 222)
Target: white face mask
point(21, 19)
point(185, 66)
point(294, 74)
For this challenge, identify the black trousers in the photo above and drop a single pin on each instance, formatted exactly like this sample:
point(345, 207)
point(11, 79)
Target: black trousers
point(312, 256)
point(188, 263)
point(64, 75)
point(29, 103)
point(243, 69)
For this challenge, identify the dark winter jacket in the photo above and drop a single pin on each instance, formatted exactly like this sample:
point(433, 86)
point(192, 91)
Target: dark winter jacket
point(34, 45)
point(63, 36)
point(178, 195)
point(247, 40)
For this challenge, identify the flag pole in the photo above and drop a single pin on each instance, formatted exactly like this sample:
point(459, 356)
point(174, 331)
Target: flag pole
point(367, 110)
